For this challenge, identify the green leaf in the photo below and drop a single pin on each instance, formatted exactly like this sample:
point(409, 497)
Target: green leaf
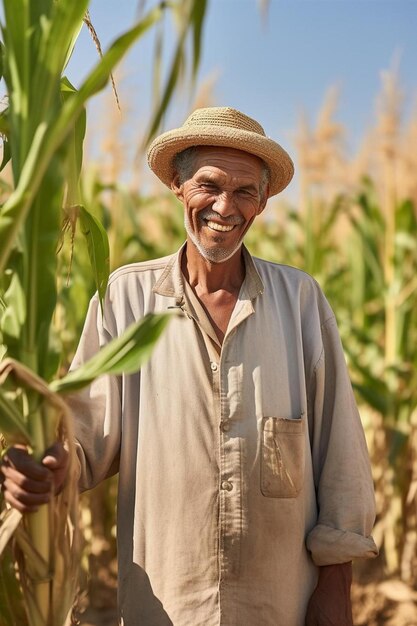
point(13, 316)
point(4, 123)
point(373, 397)
point(126, 354)
point(15, 209)
point(12, 610)
point(12, 425)
point(6, 154)
point(169, 88)
point(399, 441)
point(74, 38)
point(98, 250)
point(197, 19)
point(49, 136)
point(1, 59)
point(74, 144)
point(41, 234)
point(56, 42)
point(194, 20)
point(157, 62)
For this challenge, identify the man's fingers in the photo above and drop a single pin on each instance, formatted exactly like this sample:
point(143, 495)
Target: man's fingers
point(27, 484)
point(56, 457)
point(25, 464)
point(18, 505)
point(24, 500)
point(56, 460)
point(51, 462)
point(24, 483)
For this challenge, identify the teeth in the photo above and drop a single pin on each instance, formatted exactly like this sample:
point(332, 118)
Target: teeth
point(221, 227)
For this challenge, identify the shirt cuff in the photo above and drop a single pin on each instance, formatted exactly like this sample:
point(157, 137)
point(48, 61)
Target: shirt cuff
point(329, 546)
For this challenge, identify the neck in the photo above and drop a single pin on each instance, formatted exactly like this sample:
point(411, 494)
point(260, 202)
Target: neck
point(210, 277)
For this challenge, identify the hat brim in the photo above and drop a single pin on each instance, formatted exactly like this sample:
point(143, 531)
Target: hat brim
point(163, 149)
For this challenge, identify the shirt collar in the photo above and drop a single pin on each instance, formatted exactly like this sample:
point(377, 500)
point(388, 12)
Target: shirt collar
point(171, 282)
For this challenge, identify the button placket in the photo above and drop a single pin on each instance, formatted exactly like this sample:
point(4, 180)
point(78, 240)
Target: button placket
point(230, 470)
point(225, 426)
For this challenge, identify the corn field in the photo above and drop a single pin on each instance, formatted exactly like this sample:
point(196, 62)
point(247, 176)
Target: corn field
point(353, 228)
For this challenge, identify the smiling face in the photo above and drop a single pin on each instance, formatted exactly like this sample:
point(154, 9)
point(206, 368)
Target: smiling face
point(221, 200)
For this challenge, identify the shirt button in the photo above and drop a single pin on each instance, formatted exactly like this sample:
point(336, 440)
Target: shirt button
point(225, 426)
point(227, 485)
point(213, 366)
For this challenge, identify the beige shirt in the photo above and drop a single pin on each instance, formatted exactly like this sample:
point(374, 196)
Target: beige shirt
point(242, 466)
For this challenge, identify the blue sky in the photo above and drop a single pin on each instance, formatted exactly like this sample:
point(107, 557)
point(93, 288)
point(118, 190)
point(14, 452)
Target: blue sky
point(273, 70)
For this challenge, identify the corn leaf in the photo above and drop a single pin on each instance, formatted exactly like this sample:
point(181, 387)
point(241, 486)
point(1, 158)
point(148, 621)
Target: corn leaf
point(197, 20)
point(11, 603)
point(37, 567)
point(41, 230)
point(74, 38)
point(169, 87)
point(157, 62)
point(372, 397)
point(10, 520)
point(98, 250)
point(48, 137)
point(74, 146)
point(194, 20)
point(125, 354)
point(12, 426)
point(37, 38)
point(6, 154)
point(4, 123)
point(14, 314)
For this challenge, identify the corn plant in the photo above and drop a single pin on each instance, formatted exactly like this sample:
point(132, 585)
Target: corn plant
point(43, 128)
point(380, 326)
point(376, 301)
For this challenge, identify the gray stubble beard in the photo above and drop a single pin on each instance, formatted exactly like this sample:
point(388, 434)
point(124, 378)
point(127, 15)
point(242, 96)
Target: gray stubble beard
point(218, 255)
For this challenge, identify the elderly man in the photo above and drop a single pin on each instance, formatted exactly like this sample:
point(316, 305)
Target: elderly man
point(245, 489)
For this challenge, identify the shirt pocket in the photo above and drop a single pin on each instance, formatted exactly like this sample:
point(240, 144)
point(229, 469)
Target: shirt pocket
point(282, 457)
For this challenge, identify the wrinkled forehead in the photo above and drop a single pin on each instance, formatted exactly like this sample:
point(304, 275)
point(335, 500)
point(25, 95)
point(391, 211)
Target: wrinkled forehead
point(227, 159)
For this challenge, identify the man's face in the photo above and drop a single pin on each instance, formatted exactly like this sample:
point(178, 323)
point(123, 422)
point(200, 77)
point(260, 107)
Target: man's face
point(221, 200)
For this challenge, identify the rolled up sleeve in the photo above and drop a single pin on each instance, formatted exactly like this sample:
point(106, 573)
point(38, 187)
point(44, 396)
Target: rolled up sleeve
point(342, 472)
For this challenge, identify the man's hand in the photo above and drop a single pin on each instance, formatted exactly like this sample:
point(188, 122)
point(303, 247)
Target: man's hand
point(330, 603)
point(27, 484)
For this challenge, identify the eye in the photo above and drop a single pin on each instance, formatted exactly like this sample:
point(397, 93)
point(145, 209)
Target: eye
point(246, 193)
point(209, 187)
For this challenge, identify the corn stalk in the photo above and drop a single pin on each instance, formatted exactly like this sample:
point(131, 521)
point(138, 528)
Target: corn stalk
point(43, 127)
point(382, 331)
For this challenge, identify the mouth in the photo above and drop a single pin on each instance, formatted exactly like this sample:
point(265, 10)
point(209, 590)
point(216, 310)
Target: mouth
point(222, 228)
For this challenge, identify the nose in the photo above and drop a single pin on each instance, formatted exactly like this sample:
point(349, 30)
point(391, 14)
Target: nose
point(223, 204)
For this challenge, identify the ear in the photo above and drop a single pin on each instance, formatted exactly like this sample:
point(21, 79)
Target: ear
point(177, 187)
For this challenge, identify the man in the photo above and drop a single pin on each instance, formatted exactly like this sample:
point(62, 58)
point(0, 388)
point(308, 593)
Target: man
point(245, 489)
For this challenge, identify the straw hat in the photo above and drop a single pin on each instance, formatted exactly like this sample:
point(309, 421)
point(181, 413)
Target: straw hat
point(221, 126)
